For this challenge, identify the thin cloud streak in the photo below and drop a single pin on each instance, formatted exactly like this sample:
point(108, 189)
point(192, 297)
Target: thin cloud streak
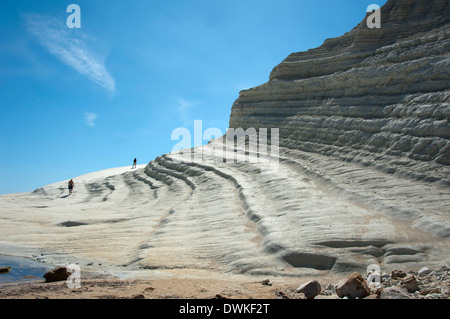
point(70, 46)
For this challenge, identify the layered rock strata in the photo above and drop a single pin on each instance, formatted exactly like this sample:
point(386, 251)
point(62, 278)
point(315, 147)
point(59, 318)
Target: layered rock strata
point(374, 96)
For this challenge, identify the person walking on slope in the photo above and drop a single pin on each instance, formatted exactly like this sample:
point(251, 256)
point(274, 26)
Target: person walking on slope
point(71, 186)
point(134, 163)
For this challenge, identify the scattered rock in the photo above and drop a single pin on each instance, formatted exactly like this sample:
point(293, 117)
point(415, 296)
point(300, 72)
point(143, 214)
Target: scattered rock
point(289, 294)
point(5, 270)
point(266, 282)
point(138, 296)
point(446, 290)
point(353, 287)
point(430, 291)
point(57, 274)
point(281, 294)
point(394, 293)
point(310, 289)
point(424, 271)
point(396, 274)
point(331, 288)
point(410, 284)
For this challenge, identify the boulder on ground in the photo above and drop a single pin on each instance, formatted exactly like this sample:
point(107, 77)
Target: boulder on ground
point(409, 283)
point(353, 287)
point(57, 274)
point(310, 289)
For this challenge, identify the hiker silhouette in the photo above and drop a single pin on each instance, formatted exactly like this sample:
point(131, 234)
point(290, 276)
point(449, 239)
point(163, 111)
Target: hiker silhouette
point(71, 186)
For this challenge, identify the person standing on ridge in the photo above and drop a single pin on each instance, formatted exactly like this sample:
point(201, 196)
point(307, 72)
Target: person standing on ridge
point(134, 163)
point(71, 186)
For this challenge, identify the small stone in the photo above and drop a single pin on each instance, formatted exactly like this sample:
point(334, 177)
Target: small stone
point(424, 271)
point(326, 293)
point(410, 284)
point(138, 296)
point(398, 274)
point(5, 270)
point(377, 292)
point(430, 291)
point(354, 286)
point(281, 294)
point(331, 287)
point(266, 282)
point(310, 289)
point(436, 273)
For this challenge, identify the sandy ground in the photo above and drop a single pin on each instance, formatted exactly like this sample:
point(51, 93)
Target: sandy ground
point(108, 287)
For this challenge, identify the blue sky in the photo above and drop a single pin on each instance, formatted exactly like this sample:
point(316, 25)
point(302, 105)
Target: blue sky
point(74, 101)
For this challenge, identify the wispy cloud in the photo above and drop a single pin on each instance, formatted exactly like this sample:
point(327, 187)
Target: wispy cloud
point(71, 46)
point(89, 118)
